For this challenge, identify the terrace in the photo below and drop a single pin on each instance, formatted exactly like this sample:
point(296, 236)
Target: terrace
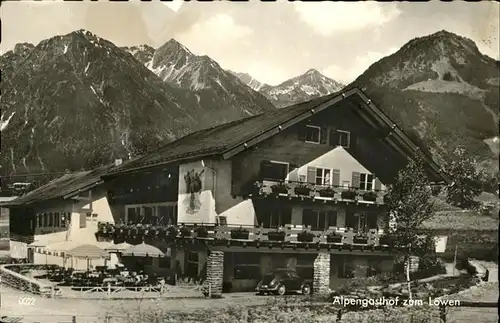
point(287, 237)
point(317, 193)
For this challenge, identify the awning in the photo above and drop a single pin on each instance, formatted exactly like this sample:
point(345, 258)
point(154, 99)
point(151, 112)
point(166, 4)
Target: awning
point(87, 251)
point(144, 250)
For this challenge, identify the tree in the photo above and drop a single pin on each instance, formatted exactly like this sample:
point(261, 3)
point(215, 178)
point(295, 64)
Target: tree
point(467, 179)
point(408, 203)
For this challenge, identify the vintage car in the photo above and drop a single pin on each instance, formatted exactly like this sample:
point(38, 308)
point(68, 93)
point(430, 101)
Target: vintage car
point(283, 281)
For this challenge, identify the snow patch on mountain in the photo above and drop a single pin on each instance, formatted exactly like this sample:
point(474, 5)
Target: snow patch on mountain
point(301, 88)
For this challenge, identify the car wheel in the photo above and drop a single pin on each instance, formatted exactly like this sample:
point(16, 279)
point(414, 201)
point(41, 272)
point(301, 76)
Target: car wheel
point(306, 290)
point(260, 293)
point(281, 290)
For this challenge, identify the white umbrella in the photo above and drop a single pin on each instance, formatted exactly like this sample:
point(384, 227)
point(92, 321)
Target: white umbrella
point(144, 250)
point(119, 247)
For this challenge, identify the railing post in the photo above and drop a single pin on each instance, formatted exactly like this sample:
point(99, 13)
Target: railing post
point(442, 313)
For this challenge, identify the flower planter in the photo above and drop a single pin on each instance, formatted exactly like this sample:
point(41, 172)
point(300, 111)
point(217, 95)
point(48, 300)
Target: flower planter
point(348, 195)
point(333, 238)
point(240, 234)
point(185, 232)
point(279, 189)
point(301, 190)
point(385, 240)
point(327, 193)
point(202, 232)
point(305, 237)
point(276, 236)
point(360, 240)
point(370, 196)
point(172, 232)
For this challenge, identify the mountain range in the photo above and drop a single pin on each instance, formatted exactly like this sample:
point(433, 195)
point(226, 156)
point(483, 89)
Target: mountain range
point(77, 101)
point(311, 84)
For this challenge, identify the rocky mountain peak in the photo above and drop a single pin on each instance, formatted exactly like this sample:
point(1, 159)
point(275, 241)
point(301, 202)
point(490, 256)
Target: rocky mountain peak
point(301, 88)
point(445, 86)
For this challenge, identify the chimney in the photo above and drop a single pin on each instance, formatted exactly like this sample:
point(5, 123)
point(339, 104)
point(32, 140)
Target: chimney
point(118, 162)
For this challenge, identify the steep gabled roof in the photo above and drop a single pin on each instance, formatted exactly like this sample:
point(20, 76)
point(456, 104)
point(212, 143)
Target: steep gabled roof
point(229, 139)
point(63, 187)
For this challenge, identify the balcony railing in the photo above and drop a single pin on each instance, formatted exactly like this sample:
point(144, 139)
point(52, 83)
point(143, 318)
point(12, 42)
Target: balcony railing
point(288, 236)
point(304, 190)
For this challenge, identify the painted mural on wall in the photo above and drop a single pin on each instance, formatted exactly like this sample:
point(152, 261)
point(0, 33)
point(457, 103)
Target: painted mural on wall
point(193, 188)
point(196, 203)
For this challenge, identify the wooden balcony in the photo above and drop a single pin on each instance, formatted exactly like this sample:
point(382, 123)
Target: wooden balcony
point(318, 193)
point(211, 234)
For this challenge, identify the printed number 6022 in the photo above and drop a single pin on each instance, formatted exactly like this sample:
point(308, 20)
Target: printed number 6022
point(29, 301)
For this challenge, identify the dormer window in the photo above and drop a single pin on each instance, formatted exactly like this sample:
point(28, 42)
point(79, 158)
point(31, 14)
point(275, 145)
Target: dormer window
point(313, 134)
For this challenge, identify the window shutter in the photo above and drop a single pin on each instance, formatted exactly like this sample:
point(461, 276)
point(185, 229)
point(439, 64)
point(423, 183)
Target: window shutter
point(334, 138)
point(332, 218)
point(323, 136)
point(263, 165)
point(336, 177)
point(293, 175)
point(83, 220)
point(355, 179)
point(311, 175)
point(302, 133)
point(378, 184)
point(352, 140)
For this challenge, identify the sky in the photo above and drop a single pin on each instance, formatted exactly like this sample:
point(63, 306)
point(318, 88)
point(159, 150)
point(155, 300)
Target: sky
point(271, 41)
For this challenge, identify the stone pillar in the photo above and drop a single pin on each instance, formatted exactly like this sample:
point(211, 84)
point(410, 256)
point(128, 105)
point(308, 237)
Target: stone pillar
point(321, 282)
point(215, 272)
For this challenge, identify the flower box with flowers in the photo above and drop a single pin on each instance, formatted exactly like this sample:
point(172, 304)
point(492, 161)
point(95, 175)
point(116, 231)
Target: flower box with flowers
point(327, 192)
point(305, 236)
point(385, 240)
point(276, 235)
point(350, 194)
point(370, 196)
point(202, 232)
point(334, 238)
point(302, 189)
point(280, 188)
point(360, 238)
point(185, 232)
point(171, 232)
point(240, 233)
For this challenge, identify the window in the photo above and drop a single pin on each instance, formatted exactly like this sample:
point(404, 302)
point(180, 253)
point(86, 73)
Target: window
point(323, 176)
point(346, 268)
point(247, 266)
point(45, 219)
point(344, 138)
point(275, 171)
point(277, 217)
point(319, 220)
point(313, 134)
point(164, 262)
point(361, 222)
point(154, 214)
point(366, 182)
